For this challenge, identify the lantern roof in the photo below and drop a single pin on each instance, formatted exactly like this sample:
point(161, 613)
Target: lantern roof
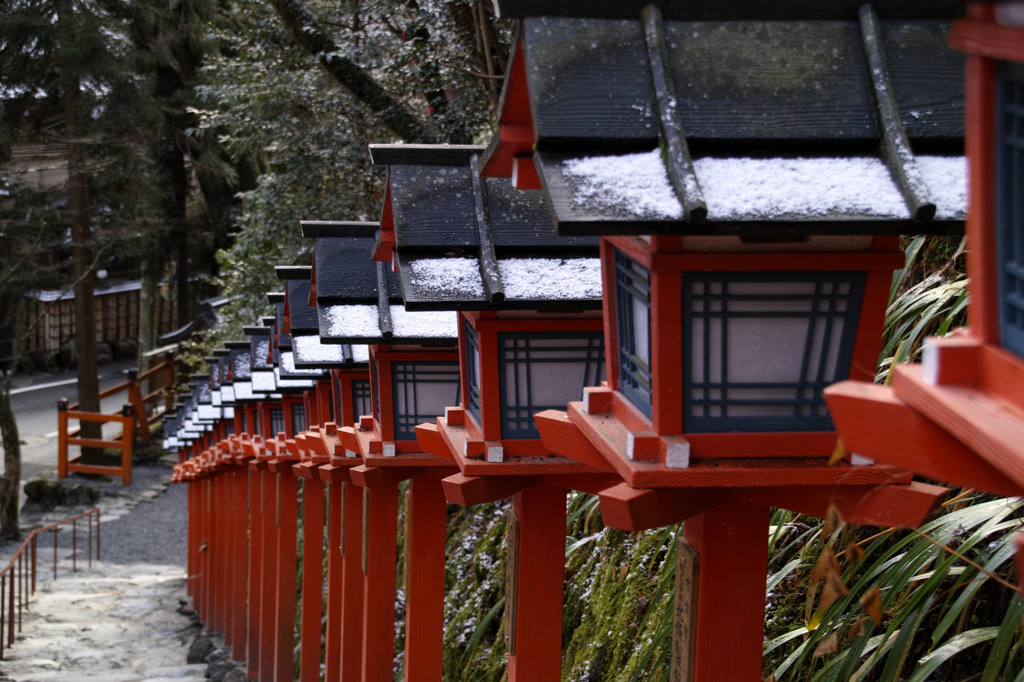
point(465, 242)
point(714, 10)
point(738, 118)
point(359, 301)
point(310, 351)
point(241, 369)
point(301, 316)
point(343, 270)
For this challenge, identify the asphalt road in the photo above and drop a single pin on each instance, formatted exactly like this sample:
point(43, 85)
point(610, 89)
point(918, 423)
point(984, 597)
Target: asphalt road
point(35, 397)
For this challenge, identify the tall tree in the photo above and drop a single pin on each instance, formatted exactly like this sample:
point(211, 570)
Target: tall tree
point(170, 41)
point(27, 227)
point(77, 52)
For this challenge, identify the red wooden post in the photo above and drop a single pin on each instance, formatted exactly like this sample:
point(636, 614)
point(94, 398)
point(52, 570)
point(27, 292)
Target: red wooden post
point(312, 576)
point(216, 563)
point(378, 567)
point(239, 523)
point(204, 549)
point(224, 554)
point(353, 598)
point(193, 525)
point(256, 541)
point(127, 444)
point(424, 615)
point(535, 653)
point(268, 602)
point(732, 542)
point(335, 578)
point(285, 559)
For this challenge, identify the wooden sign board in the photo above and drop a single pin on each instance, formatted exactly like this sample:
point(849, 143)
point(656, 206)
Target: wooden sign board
point(511, 580)
point(684, 618)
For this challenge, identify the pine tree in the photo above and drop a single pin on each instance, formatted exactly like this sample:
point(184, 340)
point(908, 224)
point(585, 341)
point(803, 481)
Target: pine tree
point(77, 56)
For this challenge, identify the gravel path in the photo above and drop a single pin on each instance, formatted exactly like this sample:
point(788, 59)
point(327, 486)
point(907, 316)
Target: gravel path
point(155, 531)
point(146, 522)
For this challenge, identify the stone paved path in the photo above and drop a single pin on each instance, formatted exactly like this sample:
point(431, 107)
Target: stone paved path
point(119, 620)
point(110, 623)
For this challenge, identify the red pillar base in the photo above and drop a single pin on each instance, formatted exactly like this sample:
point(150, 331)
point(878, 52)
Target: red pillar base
point(536, 652)
point(424, 611)
point(732, 540)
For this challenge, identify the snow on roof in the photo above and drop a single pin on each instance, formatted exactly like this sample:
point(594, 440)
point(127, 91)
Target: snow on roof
point(263, 381)
point(946, 179)
point(48, 295)
point(362, 321)
point(243, 390)
point(434, 324)
point(765, 188)
point(229, 412)
point(458, 276)
point(551, 278)
point(262, 352)
point(209, 412)
point(241, 366)
point(292, 383)
point(350, 321)
point(781, 188)
point(288, 360)
point(361, 353)
point(635, 183)
point(309, 350)
point(227, 394)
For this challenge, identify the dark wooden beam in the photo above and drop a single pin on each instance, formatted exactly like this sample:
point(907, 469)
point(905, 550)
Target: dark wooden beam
point(896, 150)
point(677, 155)
point(488, 258)
point(383, 303)
point(423, 154)
point(338, 228)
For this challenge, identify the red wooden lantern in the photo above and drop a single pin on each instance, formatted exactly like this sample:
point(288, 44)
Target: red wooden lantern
point(959, 416)
point(747, 249)
point(413, 372)
point(530, 337)
point(338, 395)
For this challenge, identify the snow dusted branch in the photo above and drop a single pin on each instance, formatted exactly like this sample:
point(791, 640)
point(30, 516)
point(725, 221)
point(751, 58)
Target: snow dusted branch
point(308, 34)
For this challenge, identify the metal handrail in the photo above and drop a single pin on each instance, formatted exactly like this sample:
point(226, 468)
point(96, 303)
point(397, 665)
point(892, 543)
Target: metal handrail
point(18, 579)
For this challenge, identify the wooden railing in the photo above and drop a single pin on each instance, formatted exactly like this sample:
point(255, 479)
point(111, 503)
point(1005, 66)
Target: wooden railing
point(124, 443)
point(136, 415)
point(18, 579)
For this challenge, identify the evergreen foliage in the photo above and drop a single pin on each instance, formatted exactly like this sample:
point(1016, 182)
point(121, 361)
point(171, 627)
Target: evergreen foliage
point(274, 99)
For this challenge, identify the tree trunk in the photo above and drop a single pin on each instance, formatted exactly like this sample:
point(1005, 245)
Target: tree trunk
point(147, 306)
point(10, 483)
point(85, 306)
